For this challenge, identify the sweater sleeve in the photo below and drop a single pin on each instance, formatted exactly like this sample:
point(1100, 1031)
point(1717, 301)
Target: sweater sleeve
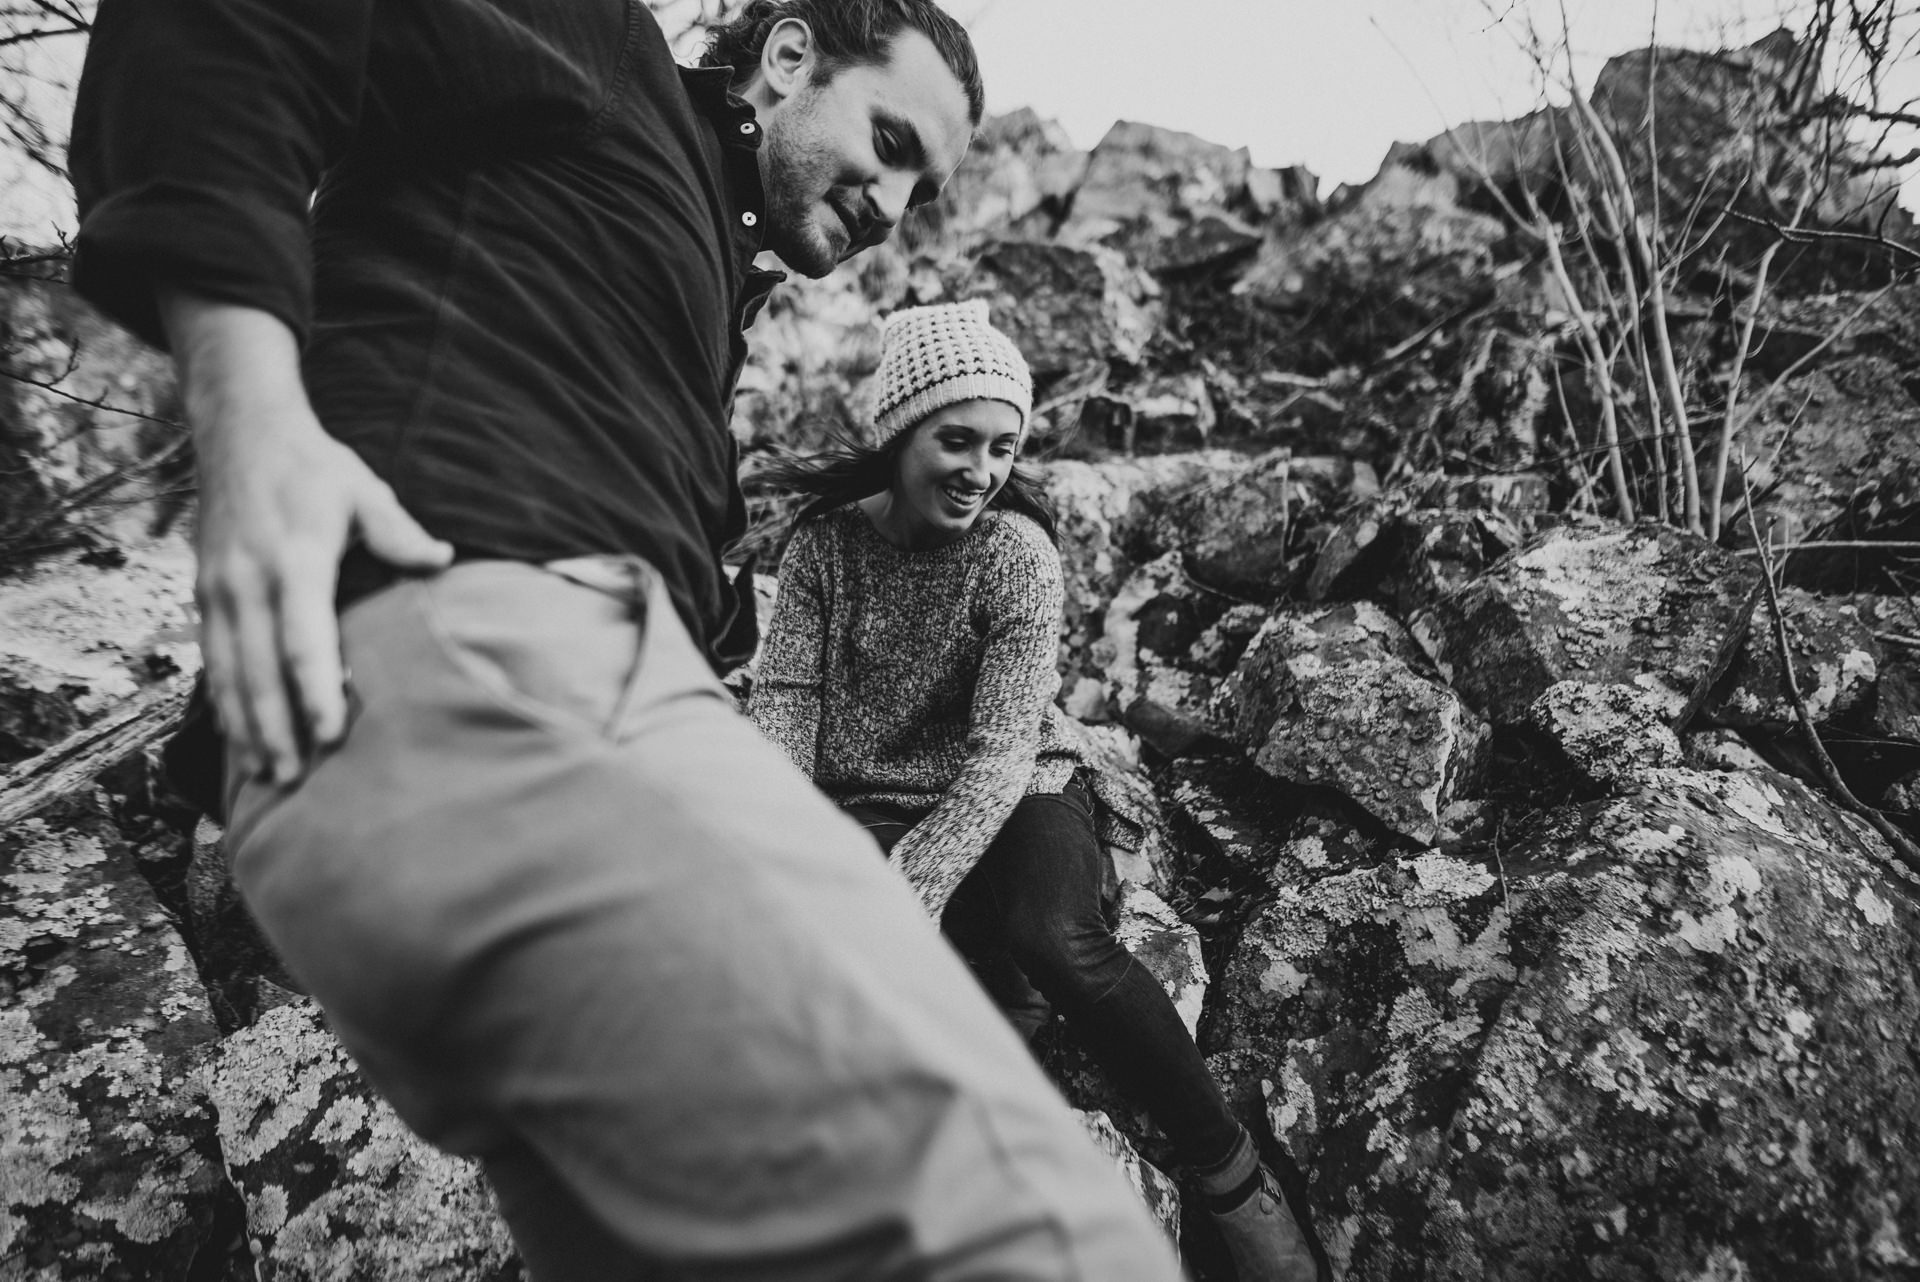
point(1019, 676)
point(200, 131)
point(785, 703)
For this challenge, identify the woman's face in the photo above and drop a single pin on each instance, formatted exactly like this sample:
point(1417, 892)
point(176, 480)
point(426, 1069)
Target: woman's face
point(953, 462)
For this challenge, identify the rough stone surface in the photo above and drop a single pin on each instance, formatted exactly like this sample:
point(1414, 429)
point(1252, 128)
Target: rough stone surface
point(1123, 792)
point(1168, 947)
point(336, 1187)
point(1069, 310)
point(1407, 556)
point(1610, 735)
point(1100, 507)
point(1156, 1189)
point(1835, 664)
point(108, 1162)
point(55, 447)
point(1169, 200)
point(1643, 605)
point(76, 639)
point(1329, 698)
point(1243, 535)
point(1669, 1035)
point(1156, 619)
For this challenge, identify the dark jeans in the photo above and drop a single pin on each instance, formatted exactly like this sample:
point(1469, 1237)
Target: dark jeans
point(1032, 910)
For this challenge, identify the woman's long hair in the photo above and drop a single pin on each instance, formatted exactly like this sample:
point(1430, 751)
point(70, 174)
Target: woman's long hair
point(848, 470)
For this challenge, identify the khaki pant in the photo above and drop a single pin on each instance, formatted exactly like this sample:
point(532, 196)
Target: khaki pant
point(575, 917)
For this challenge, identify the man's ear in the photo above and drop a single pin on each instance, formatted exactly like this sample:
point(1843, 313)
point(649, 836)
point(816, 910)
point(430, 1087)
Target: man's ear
point(787, 59)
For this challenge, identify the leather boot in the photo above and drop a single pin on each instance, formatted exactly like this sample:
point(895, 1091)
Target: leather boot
point(1263, 1239)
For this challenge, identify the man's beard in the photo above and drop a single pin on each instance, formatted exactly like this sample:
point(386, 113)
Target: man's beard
point(795, 163)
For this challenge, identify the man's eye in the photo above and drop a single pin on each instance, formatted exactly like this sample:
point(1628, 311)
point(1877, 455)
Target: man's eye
point(885, 145)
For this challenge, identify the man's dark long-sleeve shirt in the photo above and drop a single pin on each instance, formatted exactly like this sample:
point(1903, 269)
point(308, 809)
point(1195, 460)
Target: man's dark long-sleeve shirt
point(521, 283)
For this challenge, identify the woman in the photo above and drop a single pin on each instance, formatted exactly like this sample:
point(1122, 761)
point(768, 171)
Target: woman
point(910, 672)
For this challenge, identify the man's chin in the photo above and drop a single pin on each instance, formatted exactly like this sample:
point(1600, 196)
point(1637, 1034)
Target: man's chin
point(812, 260)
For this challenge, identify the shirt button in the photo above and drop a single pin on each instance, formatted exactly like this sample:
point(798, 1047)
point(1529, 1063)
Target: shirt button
point(750, 218)
point(746, 126)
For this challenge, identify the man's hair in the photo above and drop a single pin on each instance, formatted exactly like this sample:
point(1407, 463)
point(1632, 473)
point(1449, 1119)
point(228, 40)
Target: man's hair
point(848, 33)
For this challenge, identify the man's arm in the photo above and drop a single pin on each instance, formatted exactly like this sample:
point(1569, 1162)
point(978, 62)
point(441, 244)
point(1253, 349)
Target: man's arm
point(279, 500)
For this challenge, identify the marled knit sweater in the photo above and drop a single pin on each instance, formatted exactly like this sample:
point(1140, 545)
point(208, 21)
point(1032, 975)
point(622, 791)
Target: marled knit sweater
point(921, 679)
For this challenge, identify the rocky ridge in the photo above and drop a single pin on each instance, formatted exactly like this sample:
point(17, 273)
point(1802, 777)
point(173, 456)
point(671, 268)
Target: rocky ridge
point(1479, 843)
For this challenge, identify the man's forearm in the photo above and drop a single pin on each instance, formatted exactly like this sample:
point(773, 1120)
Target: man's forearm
point(239, 368)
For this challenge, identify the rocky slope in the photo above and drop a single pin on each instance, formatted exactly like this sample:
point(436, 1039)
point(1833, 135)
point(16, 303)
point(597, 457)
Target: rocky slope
point(1480, 846)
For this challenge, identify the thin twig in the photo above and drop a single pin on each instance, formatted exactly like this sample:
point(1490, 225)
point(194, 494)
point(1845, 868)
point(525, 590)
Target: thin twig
point(1742, 345)
point(1910, 545)
point(1599, 371)
point(1906, 855)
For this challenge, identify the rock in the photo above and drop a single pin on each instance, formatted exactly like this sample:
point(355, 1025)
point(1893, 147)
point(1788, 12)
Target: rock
point(1348, 289)
point(77, 639)
point(1170, 951)
point(1156, 618)
point(1122, 790)
point(1409, 556)
point(1070, 311)
point(1668, 1035)
point(1161, 1194)
point(55, 448)
point(1229, 822)
point(1155, 411)
point(1834, 664)
point(1646, 606)
point(1611, 735)
point(1739, 129)
point(1168, 200)
point(1020, 175)
point(1492, 419)
point(234, 956)
point(1839, 452)
point(335, 1185)
point(1722, 750)
point(1166, 946)
point(109, 1167)
point(1330, 698)
point(1245, 535)
point(1100, 506)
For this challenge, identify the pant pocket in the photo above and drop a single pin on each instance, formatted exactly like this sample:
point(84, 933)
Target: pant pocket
point(544, 647)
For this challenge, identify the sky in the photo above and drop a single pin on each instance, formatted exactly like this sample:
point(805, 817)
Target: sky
point(1329, 84)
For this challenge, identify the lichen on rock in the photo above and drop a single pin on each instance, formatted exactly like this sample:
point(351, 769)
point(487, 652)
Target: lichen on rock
point(336, 1186)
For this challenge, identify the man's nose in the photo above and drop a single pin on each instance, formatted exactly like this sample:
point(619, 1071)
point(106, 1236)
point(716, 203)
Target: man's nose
point(887, 200)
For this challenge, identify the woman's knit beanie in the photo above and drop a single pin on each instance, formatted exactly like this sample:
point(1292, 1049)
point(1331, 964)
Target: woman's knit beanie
point(931, 357)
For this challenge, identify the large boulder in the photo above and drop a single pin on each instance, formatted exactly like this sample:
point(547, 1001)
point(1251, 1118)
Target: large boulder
point(1668, 1035)
point(1741, 129)
point(1168, 200)
point(79, 635)
point(336, 1187)
point(1645, 605)
point(109, 1164)
point(1332, 698)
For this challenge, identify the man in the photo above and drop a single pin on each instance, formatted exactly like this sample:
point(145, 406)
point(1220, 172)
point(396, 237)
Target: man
point(456, 294)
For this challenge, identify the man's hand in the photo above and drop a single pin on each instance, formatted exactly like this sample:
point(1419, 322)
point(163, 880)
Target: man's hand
point(279, 500)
